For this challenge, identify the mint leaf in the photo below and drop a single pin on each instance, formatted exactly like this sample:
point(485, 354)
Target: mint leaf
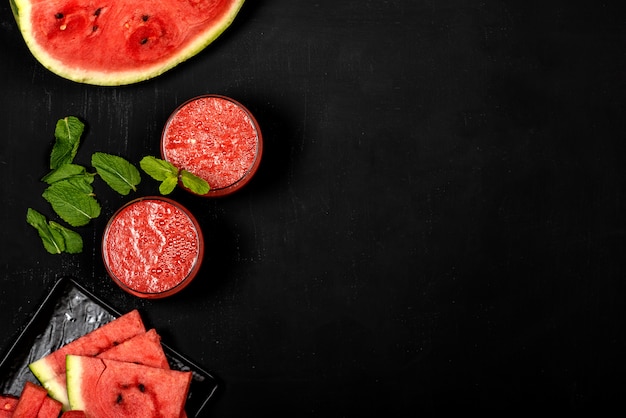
point(82, 183)
point(167, 173)
point(52, 240)
point(65, 171)
point(168, 185)
point(71, 203)
point(162, 171)
point(67, 133)
point(158, 169)
point(55, 237)
point(117, 172)
point(72, 240)
point(194, 183)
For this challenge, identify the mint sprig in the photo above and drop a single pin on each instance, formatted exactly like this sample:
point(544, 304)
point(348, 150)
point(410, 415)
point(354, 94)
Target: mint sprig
point(55, 237)
point(70, 190)
point(169, 175)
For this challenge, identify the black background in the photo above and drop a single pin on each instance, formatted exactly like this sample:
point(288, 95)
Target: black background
point(437, 223)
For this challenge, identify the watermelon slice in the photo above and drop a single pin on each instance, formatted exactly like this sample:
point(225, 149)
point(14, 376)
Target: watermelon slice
point(144, 349)
point(119, 42)
point(31, 399)
point(7, 405)
point(113, 389)
point(50, 370)
point(50, 408)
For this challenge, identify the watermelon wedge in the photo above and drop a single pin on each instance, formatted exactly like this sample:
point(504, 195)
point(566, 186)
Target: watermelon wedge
point(119, 42)
point(31, 399)
point(50, 408)
point(113, 389)
point(144, 349)
point(50, 370)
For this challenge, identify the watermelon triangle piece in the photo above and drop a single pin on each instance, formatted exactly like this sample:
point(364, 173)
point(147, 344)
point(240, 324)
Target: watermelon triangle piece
point(50, 370)
point(30, 401)
point(144, 349)
point(119, 42)
point(105, 388)
point(50, 408)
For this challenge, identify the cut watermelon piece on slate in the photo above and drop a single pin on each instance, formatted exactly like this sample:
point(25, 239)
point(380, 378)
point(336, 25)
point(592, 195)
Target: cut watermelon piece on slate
point(119, 42)
point(50, 370)
point(7, 405)
point(31, 399)
point(114, 389)
point(50, 408)
point(144, 349)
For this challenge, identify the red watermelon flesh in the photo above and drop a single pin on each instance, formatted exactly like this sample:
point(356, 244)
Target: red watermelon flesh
point(123, 41)
point(7, 405)
point(73, 414)
point(112, 389)
point(144, 349)
point(31, 399)
point(50, 370)
point(50, 408)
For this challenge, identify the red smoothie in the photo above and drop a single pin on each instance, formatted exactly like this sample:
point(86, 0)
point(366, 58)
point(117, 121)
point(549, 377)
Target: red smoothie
point(215, 138)
point(152, 247)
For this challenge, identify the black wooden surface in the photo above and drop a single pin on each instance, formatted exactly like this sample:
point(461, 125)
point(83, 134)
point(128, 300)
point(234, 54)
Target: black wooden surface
point(437, 223)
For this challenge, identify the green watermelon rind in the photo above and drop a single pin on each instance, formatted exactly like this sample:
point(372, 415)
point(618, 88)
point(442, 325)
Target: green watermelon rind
point(49, 380)
point(22, 11)
point(53, 385)
point(74, 372)
point(13, 8)
point(42, 369)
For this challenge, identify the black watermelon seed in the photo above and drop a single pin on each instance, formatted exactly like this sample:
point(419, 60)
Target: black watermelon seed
point(145, 18)
point(97, 12)
point(94, 28)
point(119, 398)
point(144, 41)
point(59, 15)
point(142, 388)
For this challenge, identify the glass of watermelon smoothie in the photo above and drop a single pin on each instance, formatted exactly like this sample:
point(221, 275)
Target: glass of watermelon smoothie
point(217, 139)
point(152, 247)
